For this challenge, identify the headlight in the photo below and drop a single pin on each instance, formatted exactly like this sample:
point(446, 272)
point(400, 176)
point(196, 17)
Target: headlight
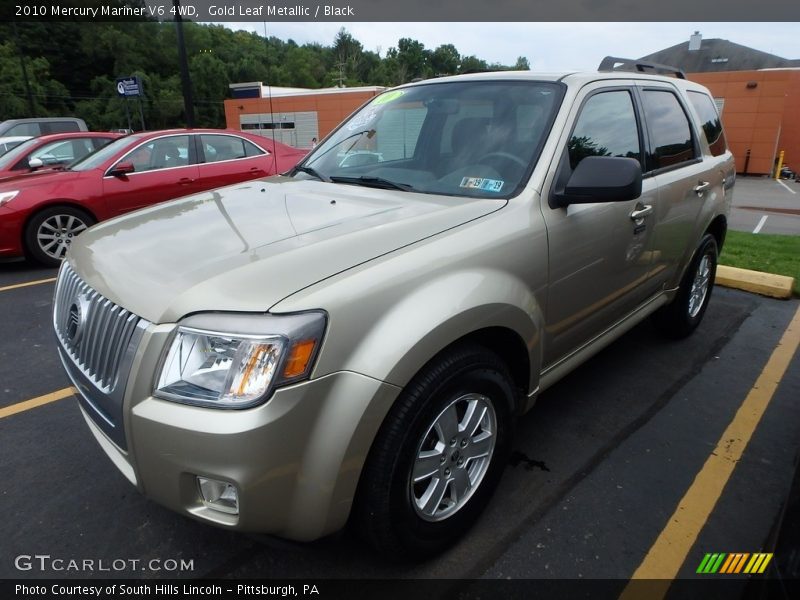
point(6, 197)
point(235, 361)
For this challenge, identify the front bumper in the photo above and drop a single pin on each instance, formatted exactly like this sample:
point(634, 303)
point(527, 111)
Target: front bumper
point(294, 460)
point(11, 222)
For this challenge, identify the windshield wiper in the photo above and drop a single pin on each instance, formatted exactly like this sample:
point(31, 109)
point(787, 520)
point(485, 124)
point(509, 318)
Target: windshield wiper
point(378, 182)
point(313, 172)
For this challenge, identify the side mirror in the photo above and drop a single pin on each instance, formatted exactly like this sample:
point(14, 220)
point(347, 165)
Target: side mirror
point(122, 169)
point(35, 163)
point(602, 179)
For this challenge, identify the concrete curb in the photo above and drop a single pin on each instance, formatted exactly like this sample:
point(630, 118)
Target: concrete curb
point(766, 284)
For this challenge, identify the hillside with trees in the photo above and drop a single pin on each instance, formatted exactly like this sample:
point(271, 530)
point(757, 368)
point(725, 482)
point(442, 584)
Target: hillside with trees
point(72, 67)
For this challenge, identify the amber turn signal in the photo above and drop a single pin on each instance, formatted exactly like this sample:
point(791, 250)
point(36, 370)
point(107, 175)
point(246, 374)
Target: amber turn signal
point(299, 358)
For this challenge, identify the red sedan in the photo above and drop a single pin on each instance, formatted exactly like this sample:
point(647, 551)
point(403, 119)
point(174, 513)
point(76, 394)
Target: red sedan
point(40, 213)
point(50, 151)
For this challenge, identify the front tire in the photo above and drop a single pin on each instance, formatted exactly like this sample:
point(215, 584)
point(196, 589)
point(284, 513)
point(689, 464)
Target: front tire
point(438, 455)
point(50, 232)
point(682, 316)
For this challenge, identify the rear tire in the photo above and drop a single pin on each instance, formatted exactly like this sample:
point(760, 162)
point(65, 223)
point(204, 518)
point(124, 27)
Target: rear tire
point(681, 317)
point(50, 232)
point(438, 455)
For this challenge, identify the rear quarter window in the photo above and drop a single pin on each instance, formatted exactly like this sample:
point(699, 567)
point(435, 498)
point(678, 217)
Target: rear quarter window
point(710, 120)
point(60, 126)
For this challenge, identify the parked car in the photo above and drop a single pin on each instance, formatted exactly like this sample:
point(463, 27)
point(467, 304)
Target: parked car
point(354, 341)
point(51, 151)
point(11, 141)
point(41, 213)
point(41, 126)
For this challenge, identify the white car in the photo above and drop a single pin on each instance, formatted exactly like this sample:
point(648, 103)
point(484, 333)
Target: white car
point(11, 141)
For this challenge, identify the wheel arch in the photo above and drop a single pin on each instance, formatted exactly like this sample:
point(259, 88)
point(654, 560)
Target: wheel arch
point(718, 228)
point(505, 330)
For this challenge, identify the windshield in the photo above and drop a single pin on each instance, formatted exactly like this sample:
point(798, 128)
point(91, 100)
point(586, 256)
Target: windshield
point(106, 152)
point(16, 153)
point(469, 138)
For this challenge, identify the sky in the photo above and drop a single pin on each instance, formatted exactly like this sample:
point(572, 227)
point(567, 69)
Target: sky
point(547, 46)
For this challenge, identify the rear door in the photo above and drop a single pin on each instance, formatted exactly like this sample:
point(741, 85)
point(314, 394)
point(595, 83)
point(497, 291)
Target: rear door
point(675, 160)
point(228, 159)
point(600, 253)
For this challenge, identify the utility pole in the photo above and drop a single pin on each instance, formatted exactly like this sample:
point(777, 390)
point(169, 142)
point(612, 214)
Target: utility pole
point(28, 92)
point(186, 82)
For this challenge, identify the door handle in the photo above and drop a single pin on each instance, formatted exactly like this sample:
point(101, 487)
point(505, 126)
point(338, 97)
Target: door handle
point(701, 187)
point(185, 180)
point(641, 211)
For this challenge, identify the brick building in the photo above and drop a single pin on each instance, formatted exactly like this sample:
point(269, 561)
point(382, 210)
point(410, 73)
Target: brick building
point(293, 116)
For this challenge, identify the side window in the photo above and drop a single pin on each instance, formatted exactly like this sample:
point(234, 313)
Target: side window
point(60, 126)
point(606, 127)
point(31, 129)
point(63, 151)
point(709, 117)
point(250, 149)
point(670, 134)
point(100, 142)
point(163, 153)
point(217, 148)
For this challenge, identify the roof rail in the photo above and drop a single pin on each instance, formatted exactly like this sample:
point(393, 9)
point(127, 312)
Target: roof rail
point(612, 63)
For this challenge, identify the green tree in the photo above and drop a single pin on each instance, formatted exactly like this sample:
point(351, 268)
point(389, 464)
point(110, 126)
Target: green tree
point(472, 63)
point(413, 58)
point(347, 56)
point(445, 60)
point(522, 64)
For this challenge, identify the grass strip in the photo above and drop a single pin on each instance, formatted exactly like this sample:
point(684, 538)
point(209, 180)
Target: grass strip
point(779, 254)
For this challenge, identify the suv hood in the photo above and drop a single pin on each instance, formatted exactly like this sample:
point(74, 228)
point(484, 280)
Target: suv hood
point(248, 246)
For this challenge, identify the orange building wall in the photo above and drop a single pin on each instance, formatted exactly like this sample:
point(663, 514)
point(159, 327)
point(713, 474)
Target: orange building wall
point(762, 119)
point(331, 108)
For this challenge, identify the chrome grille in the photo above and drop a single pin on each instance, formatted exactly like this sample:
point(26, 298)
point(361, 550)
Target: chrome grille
point(93, 331)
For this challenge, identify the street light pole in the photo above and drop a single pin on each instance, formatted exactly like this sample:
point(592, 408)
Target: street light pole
point(186, 82)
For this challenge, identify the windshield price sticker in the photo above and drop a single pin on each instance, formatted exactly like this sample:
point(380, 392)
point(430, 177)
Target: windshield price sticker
point(387, 97)
point(481, 183)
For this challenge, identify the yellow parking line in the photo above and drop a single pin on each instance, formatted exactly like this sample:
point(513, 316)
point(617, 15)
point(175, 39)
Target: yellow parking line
point(26, 284)
point(670, 550)
point(40, 401)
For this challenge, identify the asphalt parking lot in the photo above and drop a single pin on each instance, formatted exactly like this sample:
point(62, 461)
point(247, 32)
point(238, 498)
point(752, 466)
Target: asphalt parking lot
point(604, 467)
point(766, 205)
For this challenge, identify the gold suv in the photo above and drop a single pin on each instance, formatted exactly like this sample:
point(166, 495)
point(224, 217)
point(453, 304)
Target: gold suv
point(354, 339)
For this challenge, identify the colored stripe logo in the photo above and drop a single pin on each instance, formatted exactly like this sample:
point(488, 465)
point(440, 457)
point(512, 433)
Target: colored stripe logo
point(734, 563)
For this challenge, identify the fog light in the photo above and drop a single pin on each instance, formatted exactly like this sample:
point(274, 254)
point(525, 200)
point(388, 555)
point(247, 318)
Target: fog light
point(219, 495)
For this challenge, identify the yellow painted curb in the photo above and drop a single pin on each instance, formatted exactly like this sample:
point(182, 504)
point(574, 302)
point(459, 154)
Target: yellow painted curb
point(766, 284)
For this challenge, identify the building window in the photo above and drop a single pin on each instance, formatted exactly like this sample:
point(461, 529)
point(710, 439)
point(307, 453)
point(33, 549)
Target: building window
point(276, 125)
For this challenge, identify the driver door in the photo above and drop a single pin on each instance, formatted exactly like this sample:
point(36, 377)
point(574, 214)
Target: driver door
point(600, 253)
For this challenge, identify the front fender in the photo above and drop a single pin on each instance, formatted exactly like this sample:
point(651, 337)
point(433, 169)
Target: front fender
point(436, 315)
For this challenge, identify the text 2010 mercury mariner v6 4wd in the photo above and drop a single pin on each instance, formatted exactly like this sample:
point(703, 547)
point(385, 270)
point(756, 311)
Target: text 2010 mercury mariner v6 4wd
point(354, 340)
